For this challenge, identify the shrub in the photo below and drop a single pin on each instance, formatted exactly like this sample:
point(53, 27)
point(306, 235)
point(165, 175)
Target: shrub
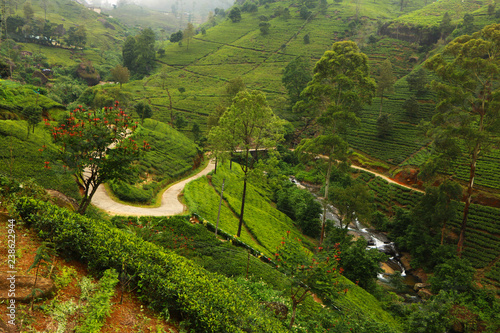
point(211, 302)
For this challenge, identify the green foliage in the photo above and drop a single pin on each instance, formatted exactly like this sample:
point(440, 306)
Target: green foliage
point(129, 193)
point(417, 81)
point(342, 76)
point(304, 13)
point(171, 155)
point(432, 317)
point(318, 273)
point(264, 223)
point(213, 303)
point(120, 74)
point(249, 123)
point(99, 304)
point(143, 110)
point(235, 14)
point(21, 159)
point(453, 275)
point(296, 75)
point(264, 27)
point(361, 265)
point(384, 125)
point(411, 106)
point(467, 111)
point(301, 206)
point(33, 115)
point(64, 276)
point(176, 36)
point(138, 52)
point(354, 201)
point(93, 160)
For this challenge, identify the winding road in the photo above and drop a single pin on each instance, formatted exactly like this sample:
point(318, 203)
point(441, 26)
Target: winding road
point(170, 204)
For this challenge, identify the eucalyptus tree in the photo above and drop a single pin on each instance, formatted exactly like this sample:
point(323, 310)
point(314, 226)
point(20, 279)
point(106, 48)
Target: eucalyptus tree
point(340, 86)
point(385, 81)
point(467, 115)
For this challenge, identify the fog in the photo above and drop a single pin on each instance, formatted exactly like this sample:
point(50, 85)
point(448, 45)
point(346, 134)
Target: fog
point(193, 6)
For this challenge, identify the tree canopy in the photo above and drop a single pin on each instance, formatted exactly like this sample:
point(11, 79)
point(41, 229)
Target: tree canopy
point(468, 109)
point(341, 85)
point(249, 123)
point(96, 147)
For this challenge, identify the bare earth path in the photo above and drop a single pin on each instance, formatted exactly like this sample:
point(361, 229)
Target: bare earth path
point(390, 180)
point(170, 204)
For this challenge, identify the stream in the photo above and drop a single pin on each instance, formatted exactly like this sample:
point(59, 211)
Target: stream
point(376, 240)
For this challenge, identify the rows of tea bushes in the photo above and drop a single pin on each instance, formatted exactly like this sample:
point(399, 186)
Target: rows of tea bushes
point(482, 239)
point(198, 243)
point(388, 195)
point(20, 157)
point(209, 302)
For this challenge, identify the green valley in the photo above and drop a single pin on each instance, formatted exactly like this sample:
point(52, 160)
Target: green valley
point(354, 145)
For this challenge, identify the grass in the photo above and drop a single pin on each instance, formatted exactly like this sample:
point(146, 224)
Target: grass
point(264, 225)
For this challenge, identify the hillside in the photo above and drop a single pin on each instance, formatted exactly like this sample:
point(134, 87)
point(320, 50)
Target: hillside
point(102, 31)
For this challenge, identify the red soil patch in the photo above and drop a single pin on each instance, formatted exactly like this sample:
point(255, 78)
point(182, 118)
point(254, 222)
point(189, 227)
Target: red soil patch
point(130, 316)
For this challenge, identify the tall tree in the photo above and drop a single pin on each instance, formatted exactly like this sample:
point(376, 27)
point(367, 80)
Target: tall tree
point(468, 111)
point(417, 81)
point(233, 87)
point(176, 36)
point(33, 115)
point(188, 34)
point(385, 81)
point(411, 106)
point(341, 85)
point(128, 53)
point(384, 125)
point(28, 11)
point(445, 26)
point(249, 123)
point(45, 5)
point(145, 51)
point(295, 78)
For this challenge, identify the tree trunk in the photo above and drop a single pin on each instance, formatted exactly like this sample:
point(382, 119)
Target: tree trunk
point(87, 199)
point(294, 310)
point(468, 198)
point(443, 230)
point(242, 205)
point(245, 170)
point(381, 102)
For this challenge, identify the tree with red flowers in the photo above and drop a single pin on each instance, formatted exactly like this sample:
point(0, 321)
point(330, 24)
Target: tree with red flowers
point(310, 273)
point(96, 146)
